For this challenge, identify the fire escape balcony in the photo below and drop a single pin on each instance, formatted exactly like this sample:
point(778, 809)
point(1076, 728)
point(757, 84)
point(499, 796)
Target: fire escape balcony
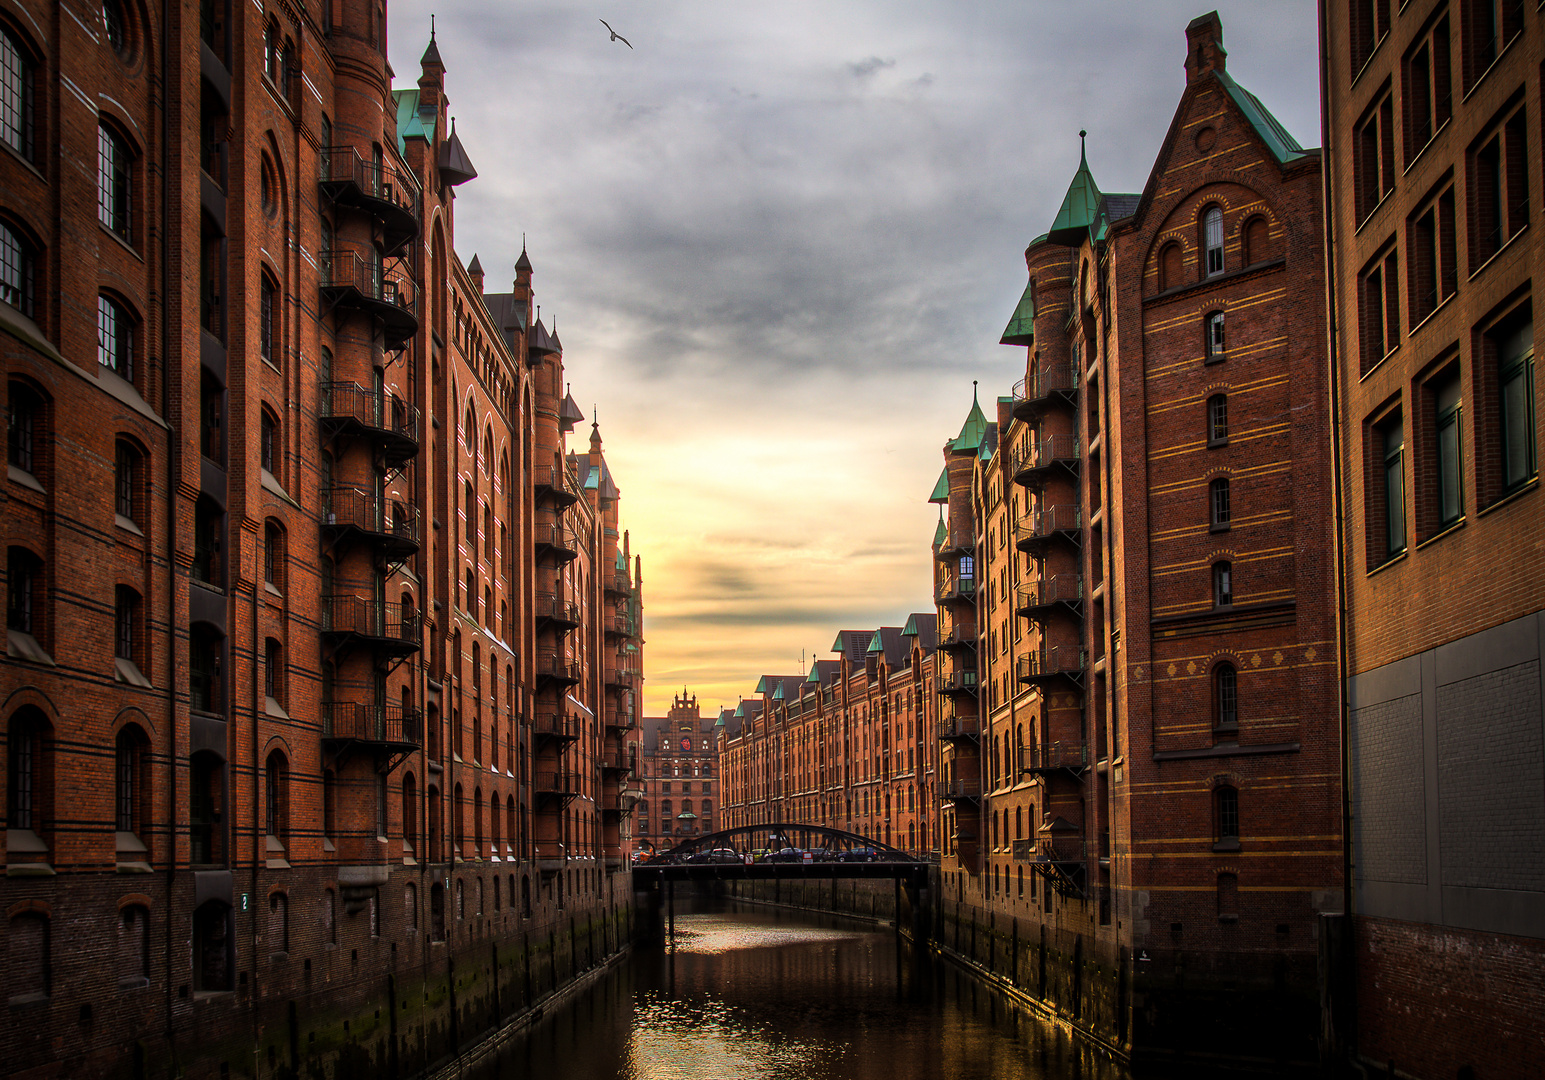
point(1061, 861)
point(959, 790)
point(1051, 663)
point(1046, 758)
point(619, 760)
point(392, 630)
point(960, 638)
point(553, 483)
point(555, 540)
point(554, 727)
point(621, 625)
point(390, 526)
point(952, 683)
point(616, 583)
point(956, 543)
point(389, 732)
point(622, 672)
point(1036, 599)
point(350, 280)
point(620, 717)
point(1038, 458)
point(555, 788)
point(956, 589)
point(556, 668)
point(348, 179)
point(957, 728)
point(1036, 531)
point(385, 419)
point(553, 610)
point(1048, 386)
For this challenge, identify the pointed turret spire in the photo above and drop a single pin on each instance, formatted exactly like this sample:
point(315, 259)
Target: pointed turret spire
point(524, 262)
point(974, 430)
point(431, 57)
point(475, 272)
point(1080, 207)
point(595, 433)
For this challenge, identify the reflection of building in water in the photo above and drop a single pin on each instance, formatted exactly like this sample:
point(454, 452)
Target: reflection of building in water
point(680, 777)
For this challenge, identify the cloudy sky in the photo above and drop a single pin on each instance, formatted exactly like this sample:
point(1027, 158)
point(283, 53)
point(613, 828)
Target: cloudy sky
point(780, 241)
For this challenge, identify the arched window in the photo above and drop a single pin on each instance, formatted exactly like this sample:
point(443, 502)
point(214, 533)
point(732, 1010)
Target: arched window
point(26, 412)
point(1219, 510)
point(276, 796)
point(18, 268)
point(1212, 240)
point(1217, 419)
point(28, 775)
point(494, 806)
point(1228, 896)
point(273, 555)
point(1171, 262)
point(1225, 695)
point(115, 338)
point(1222, 584)
point(18, 77)
point(129, 771)
point(273, 48)
point(432, 823)
point(1225, 801)
point(114, 181)
point(469, 431)
point(268, 328)
point(128, 476)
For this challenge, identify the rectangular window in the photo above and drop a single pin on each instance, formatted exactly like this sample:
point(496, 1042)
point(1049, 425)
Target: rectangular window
point(127, 610)
point(1515, 386)
point(1217, 419)
point(1379, 297)
point(15, 95)
point(1215, 342)
point(1446, 444)
point(1373, 154)
point(1369, 24)
point(1499, 187)
point(1390, 493)
point(1432, 260)
point(1488, 26)
point(1426, 92)
point(112, 181)
point(1218, 499)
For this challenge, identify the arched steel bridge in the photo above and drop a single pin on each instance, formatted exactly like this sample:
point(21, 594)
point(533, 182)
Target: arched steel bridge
point(779, 851)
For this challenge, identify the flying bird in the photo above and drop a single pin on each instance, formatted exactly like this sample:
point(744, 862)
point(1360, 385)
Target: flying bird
point(616, 36)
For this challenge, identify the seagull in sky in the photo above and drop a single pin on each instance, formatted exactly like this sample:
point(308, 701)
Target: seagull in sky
point(616, 36)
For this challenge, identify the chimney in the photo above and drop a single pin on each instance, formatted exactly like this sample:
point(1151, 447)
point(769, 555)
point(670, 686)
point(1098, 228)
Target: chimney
point(1204, 46)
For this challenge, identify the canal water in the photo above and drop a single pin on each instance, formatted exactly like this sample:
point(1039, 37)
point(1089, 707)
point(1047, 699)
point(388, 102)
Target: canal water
point(754, 992)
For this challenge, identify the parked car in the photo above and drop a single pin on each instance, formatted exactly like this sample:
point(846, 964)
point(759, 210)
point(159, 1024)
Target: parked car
point(786, 855)
point(715, 855)
point(859, 854)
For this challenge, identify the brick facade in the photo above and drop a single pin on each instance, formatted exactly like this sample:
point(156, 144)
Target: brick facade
point(322, 643)
point(1432, 135)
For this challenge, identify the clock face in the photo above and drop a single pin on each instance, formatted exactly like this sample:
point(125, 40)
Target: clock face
point(686, 743)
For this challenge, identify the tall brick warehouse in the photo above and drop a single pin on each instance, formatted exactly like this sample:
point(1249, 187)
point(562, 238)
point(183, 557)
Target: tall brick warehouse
point(1433, 146)
point(322, 642)
point(1138, 708)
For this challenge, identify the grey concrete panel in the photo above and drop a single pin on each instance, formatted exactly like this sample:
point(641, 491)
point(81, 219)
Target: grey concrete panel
point(1399, 678)
point(1392, 900)
point(1389, 799)
point(1504, 646)
point(1499, 911)
point(1491, 781)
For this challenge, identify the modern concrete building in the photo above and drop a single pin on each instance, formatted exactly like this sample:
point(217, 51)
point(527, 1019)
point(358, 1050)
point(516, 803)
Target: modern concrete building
point(1432, 114)
point(309, 683)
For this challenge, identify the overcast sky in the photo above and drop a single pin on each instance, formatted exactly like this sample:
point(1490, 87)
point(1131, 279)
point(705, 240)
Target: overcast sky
point(779, 241)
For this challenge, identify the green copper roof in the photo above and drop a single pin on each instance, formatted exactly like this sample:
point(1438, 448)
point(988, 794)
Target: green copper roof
point(1080, 206)
point(1021, 327)
point(941, 533)
point(874, 643)
point(1283, 146)
point(941, 490)
point(973, 431)
point(410, 122)
point(812, 677)
point(761, 684)
point(778, 693)
point(984, 451)
point(910, 630)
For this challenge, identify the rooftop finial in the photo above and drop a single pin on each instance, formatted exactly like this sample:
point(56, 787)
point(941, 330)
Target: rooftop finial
point(1081, 136)
point(431, 26)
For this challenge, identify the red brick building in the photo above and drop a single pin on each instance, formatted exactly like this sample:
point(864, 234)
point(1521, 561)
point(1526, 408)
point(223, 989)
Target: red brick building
point(1433, 142)
point(677, 779)
point(321, 642)
point(850, 745)
point(1142, 768)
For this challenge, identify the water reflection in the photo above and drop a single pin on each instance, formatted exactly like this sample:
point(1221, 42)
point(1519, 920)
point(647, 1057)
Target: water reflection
point(754, 993)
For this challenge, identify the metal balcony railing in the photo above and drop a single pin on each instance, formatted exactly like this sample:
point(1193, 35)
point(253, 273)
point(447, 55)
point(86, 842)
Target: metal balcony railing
point(556, 783)
point(554, 725)
point(961, 789)
point(1047, 522)
point(953, 587)
point(957, 682)
point(372, 412)
point(617, 582)
point(350, 178)
point(389, 725)
point(362, 280)
point(378, 620)
point(556, 666)
point(556, 609)
point(555, 538)
point(959, 727)
point(1062, 849)
point(1047, 591)
point(553, 481)
point(1043, 381)
point(1050, 757)
point(1045, 663)
point(1037, 455)
point(392, 522)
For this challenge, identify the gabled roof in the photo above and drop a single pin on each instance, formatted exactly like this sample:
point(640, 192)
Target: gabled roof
point(1282, 145)
point(509, 315)
point(924, 627)
point(854, 644)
